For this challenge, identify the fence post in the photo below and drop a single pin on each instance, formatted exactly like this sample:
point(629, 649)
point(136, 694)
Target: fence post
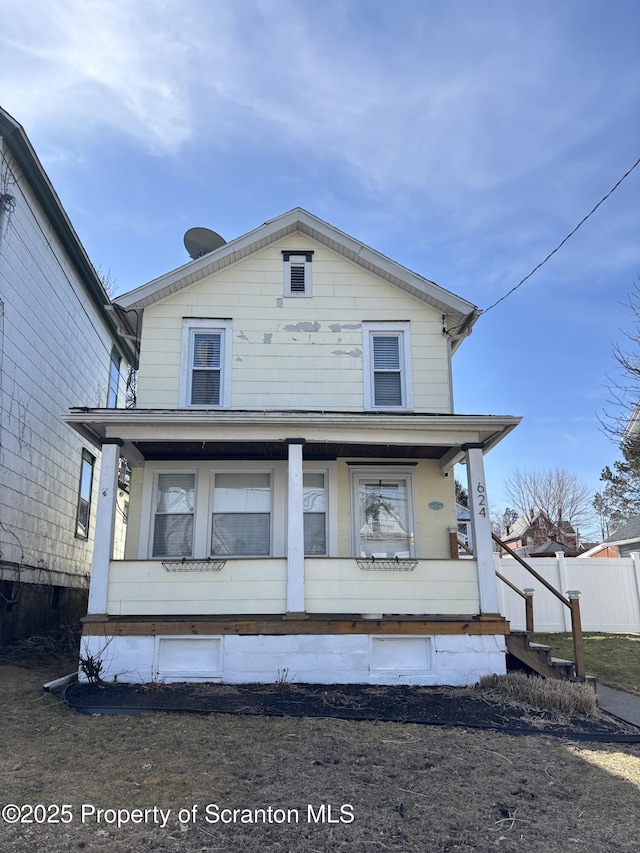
point(576, 626)
point(563, 584)
point(528, 609)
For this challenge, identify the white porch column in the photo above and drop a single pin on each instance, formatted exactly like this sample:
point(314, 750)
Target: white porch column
point(481, 527)
point(295, 529)
point(105, 526)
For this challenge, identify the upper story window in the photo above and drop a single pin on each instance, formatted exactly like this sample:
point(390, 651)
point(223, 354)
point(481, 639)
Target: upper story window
point(387, 366)
point(114, 379)
point(205, 379)
point(297, 273)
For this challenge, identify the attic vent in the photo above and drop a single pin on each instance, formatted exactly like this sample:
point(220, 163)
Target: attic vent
point(297, 273)
point(297, 278)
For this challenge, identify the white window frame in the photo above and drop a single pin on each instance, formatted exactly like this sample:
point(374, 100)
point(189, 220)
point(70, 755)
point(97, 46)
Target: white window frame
point(224, 329)
point(297, 258)
point(113, 387)
point(395, 472)
point(150, 493)
point(87, 463)
point(403, 331)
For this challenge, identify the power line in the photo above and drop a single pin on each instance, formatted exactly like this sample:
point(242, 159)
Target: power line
point(561, 244)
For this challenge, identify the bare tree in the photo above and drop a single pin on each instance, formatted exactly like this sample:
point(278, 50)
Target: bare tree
point(622, 419)
point(558, 494)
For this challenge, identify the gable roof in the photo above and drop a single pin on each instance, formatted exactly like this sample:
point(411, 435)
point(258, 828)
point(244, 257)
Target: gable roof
point(628, 531)
point(18, 144)
point(463, 314)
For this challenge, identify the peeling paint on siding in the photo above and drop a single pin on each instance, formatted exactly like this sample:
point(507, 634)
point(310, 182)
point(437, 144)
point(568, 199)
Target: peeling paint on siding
point(279, 302)
point(303, 327)
point(267, 337)
point(354, 353)
point(242, 337)
point(339, 327)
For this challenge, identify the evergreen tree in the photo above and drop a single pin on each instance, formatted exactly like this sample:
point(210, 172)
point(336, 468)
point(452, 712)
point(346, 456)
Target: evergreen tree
point(619, 499)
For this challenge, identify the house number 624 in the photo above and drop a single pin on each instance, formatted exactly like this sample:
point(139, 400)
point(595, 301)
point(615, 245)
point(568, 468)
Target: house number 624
point(482, 499)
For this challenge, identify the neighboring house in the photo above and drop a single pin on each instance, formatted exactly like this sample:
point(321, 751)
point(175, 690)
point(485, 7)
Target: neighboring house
point(622, 543)
point(465, 530)
point(59, 347)
point(292, 510)
point(532, 535)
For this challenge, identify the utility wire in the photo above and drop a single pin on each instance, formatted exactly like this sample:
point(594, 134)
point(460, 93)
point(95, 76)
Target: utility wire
point(560, 245)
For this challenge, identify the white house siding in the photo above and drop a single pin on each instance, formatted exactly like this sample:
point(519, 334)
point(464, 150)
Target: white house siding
point(315, 659)
point(55, 353)
point(285, 348)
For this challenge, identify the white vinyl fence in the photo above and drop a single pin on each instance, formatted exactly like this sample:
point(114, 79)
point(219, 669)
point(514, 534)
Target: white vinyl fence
point(609, 592)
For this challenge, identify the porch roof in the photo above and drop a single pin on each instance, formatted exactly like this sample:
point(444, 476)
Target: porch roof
point(186, 434)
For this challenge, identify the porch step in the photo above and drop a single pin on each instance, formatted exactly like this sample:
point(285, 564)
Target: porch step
point(536, 657)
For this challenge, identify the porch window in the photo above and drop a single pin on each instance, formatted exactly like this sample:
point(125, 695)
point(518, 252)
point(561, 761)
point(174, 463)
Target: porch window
point(241, 522)
point(173, 522)
point(315, 508)
point(387, 366)
point(384, 517)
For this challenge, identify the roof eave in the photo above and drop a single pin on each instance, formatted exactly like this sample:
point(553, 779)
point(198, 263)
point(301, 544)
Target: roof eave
point(18, 144)
point(323, 233)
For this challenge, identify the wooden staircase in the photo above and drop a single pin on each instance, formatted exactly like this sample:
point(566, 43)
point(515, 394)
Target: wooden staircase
point(534, 657)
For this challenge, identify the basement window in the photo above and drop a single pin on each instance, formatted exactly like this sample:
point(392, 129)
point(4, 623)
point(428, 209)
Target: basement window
point(297, 273)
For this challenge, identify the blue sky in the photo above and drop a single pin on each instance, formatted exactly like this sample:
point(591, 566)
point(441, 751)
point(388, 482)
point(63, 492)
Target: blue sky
point(462, 139)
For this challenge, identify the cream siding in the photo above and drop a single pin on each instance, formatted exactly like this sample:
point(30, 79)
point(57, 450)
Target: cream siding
point(143, 588)
point(287, 348)
point(434, 587)
point(257, 586)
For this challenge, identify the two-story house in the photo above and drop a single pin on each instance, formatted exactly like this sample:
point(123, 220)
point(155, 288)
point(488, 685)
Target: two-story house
point(59, 346)
point(293, 507)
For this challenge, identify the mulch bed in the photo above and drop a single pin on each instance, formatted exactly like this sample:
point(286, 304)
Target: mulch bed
point(431, 706)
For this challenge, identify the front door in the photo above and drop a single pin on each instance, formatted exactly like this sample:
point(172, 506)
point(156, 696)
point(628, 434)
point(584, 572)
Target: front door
point(384, 517)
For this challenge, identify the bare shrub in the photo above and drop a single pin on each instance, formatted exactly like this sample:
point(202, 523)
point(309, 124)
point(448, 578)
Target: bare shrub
point(567, 697)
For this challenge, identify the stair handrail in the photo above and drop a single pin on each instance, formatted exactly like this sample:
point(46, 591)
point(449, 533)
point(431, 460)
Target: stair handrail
point(572, 602)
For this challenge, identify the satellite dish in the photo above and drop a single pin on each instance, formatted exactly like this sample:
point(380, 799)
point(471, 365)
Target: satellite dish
point(201, 241)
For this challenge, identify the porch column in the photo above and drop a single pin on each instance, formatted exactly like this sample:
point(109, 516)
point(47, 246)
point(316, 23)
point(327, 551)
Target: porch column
point(481, 528)
point(105, 526)
point(295, 529)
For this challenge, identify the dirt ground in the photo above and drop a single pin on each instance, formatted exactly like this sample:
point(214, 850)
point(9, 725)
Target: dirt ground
point(200, 782)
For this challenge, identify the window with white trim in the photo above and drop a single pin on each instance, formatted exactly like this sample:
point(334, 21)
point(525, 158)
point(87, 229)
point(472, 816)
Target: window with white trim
point(206, 364)
point(83, 512)
point(297, 273)
point(314, 503)
point(173, 516)
point(387, 366)
point(114, 379)
point(241, 518)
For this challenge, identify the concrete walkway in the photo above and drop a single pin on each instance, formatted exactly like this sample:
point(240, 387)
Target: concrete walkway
point(623, 705)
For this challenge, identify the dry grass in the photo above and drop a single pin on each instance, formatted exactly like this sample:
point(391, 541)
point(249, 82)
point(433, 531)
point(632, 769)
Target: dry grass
point(613, 658)
point(411, 788)
point(566, 697)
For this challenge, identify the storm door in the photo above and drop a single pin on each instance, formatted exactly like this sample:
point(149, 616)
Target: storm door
point(384, 517)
